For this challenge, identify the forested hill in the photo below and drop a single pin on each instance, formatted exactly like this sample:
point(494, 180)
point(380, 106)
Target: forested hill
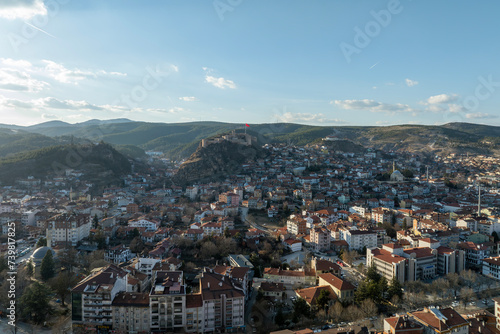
point(181, 139)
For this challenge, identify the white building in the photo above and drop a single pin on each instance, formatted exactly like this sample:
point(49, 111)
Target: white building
point(149, 224)
point(358, 239)
point(66, 228)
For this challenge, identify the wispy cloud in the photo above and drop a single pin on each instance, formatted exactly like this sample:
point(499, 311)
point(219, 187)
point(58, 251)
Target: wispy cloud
point(480, 115)
point(62, 74)
point(374, 106)
point(188, 98)
point(21, 9)
point(289, 117)
point(16, 80)
point(411, 83)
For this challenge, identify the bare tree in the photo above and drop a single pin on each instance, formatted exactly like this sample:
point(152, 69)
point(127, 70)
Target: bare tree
point(368, 307)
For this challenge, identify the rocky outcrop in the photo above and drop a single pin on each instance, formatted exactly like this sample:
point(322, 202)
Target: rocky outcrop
point(216, 162)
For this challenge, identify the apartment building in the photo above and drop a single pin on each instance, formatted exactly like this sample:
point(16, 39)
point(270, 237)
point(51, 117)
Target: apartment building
point(320, 239)
point(167, 301)
point(441, 321)
point(357, 239)
point(223, 302)
point(491, 267)
point(474, 253)
point(91, 299)
point(131, 313)
point(68, 229)
point(296, 226)
point(118, 254)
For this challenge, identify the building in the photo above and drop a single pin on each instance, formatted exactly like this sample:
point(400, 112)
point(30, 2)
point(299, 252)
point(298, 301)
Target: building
point(296, 226)
point(450, 261)
point(440, 321)
point(223, 302)
point(303, 277)
point(149, 224)
point(67, 229)
point(343, 289)
point(167, 301)
point(357, 239)
point(320, 239)
point(311, 294)
point(118, 254)
point(402, 325)
point(491, 267)
point(131, 312)
point(474, 253)
point(388, 261)
point(91, 299)
point(273, 290)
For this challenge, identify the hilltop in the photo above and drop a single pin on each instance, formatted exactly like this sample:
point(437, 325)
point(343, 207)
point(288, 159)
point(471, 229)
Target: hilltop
point(216, 161)
point(180, 140)
point(98, 162)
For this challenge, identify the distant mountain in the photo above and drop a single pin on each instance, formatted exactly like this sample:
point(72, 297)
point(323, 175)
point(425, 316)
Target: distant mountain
point(180, 140)
point(101, 163)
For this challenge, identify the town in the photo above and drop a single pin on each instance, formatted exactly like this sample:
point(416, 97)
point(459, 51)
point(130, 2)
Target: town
point(305, 240)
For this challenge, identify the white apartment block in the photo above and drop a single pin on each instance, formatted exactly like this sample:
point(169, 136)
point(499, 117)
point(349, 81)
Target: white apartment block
point(358, 239)
point(68, 228)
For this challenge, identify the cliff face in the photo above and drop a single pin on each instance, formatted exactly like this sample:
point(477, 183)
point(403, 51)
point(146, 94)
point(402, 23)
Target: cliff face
point(216, 161)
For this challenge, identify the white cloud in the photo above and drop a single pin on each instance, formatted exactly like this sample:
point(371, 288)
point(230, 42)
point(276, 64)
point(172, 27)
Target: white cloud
point(289, 117)
point(176, 110)
point(16, 80)
point(65, 75)
point(480, 115)
point(220, 82)
point(22, 9)
point(442, 98)
point(49, 116)
point(375, 106)
point(188, 98)
point(411, 83)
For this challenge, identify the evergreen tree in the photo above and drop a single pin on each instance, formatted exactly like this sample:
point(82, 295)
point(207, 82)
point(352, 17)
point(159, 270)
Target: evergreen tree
point(41, 242)
point(30, 269)
point(395, 289)
point(323, 299)
point(35, 302)
point(47, 269)
point(280, 318)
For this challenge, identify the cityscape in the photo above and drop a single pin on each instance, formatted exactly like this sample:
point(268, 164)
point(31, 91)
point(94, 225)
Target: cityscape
point(230, 166)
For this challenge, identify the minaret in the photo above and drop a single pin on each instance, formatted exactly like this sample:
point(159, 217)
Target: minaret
point(393, 166)
point(427, 174)
point(479, 202)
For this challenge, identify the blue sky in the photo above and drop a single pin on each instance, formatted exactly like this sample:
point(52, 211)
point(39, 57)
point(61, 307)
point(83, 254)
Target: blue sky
point(311, 62)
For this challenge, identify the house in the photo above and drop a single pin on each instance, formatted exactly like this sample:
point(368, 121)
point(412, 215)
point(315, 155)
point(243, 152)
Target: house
point(273, 290)
point(441, 321)
point(402, 325)
point(311, 294)
point(342, 289)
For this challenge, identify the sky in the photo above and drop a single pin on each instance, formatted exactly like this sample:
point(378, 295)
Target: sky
point(328, 62)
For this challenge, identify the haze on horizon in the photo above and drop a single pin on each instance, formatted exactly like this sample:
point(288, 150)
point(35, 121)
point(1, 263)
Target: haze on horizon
point(325, 63)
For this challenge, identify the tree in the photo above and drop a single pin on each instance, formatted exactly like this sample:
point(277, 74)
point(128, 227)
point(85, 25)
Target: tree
point(47, 269)
point(35, 302)
point(280, 318)
point(395, 289)
point(336, 312)
point(323, 299)
point(41, 242)
point(495, 236)
point(301, 309)
point(368, 308)
point(136, 245)
point(30, 269)
point(69, 258)
point(100, 238)
point(62, 283)
point(95, 221)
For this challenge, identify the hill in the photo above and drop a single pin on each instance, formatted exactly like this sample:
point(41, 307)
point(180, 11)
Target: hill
point(216, 162)
point(179, 140)
point(101, 163)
